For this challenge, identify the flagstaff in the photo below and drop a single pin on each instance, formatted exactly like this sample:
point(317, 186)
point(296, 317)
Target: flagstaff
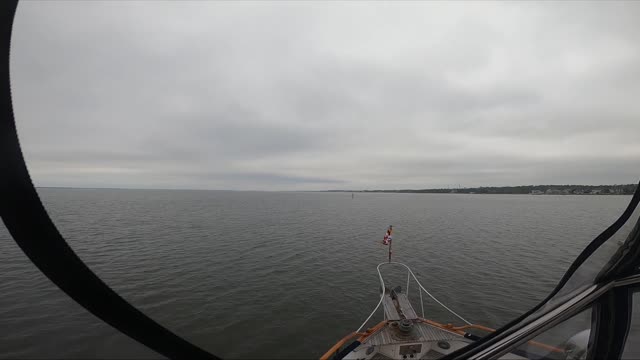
point(388, 239)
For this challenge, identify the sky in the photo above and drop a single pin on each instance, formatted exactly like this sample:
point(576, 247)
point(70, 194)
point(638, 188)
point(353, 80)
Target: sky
point(327, 95)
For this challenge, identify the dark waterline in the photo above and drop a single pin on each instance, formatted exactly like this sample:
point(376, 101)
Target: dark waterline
point(285, 275)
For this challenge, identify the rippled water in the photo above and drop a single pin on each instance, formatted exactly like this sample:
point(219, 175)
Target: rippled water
point(285, 275)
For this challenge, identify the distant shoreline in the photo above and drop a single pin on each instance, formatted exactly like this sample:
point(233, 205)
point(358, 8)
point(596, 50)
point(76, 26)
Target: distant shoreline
point(626, 189)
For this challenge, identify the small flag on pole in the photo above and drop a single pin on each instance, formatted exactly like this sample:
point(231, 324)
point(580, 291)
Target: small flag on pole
point(387, 235)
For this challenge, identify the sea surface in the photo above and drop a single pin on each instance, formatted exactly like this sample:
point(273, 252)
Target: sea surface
point(287, 274)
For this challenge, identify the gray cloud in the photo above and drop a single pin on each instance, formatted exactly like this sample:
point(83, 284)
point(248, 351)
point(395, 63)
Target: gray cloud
point(283, 95)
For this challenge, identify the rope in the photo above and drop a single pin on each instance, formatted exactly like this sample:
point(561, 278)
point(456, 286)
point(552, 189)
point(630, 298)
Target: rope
point(433, 297)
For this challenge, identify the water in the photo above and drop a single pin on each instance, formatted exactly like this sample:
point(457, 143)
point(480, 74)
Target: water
point(285, 275)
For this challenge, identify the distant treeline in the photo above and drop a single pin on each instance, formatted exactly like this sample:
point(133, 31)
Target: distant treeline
point(626, 189)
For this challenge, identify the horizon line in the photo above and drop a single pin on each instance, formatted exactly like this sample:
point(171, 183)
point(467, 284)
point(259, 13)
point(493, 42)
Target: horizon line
point(325, 190)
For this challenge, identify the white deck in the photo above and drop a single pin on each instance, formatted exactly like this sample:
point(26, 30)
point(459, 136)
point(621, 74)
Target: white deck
point(426, 342)
point(422, 341)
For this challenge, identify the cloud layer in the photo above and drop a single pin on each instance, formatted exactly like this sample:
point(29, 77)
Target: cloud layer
point(310, 96)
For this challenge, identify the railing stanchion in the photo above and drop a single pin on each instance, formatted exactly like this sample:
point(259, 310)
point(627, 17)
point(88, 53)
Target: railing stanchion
point(407, 292)
point(421, 303)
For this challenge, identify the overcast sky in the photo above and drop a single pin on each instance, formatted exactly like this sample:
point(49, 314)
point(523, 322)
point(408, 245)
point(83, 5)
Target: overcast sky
point(313, 96)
